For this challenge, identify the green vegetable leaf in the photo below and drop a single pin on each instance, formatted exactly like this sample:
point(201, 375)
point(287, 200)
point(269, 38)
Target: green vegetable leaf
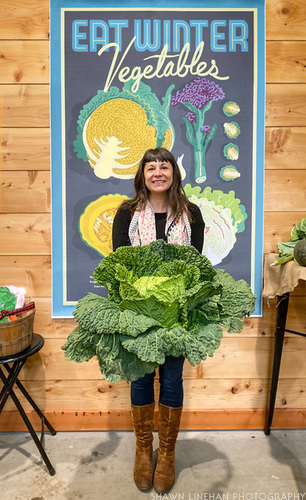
point(116, 363)
point(80, 345)
point(236, 298)
point(299, 230)
point(149, 346)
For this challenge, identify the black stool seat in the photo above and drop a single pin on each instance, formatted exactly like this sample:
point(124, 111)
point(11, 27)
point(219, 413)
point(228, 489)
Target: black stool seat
point(11, 379)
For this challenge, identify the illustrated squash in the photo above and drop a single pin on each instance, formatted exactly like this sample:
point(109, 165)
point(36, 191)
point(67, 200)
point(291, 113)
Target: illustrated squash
point(300, 252)
point(96, 222)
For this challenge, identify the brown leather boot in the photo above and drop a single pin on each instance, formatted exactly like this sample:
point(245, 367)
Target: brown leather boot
point(143, 424)
point(168, 427)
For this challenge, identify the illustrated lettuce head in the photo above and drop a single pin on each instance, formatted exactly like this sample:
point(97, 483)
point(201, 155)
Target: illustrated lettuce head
point(224, 217)
point(163, 300)
point(116, 127)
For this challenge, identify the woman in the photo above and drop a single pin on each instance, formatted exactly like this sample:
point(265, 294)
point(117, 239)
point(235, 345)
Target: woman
point(159, 210)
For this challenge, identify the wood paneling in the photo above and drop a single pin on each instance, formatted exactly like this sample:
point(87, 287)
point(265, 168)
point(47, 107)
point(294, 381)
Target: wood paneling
point(25, 192)
point(30, 272)
point(285, 148)
point(277, 227)
point(85, 395)
point(24, 61)
point(286, 105)
point(25, 234)
point(24, 105)
point(24, 19)
point(25, 149)
point(191, 420)
point(285, 19)
point(285, 191)
point(286, 62)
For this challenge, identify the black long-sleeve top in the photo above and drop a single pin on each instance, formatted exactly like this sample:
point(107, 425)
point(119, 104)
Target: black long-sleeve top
point(123, 218)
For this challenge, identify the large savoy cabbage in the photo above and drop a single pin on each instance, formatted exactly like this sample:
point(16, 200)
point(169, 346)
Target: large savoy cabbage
point(162, 300)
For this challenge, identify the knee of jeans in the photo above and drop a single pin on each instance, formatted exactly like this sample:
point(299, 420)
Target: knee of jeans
point(144, 381)
point(171, 383)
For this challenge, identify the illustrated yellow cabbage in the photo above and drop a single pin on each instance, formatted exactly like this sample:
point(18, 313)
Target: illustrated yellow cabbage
point(115, 128)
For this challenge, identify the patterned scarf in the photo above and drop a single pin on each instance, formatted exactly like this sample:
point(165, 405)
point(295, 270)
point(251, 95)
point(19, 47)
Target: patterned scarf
point(142, 230)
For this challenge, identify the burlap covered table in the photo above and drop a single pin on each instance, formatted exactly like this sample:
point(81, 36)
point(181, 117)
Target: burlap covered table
point(280, 281)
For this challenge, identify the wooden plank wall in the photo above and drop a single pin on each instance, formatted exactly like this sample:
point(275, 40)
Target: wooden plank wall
point(231, 389)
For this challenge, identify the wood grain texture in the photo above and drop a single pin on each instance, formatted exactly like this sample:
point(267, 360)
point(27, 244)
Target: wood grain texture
point(285, 191)
point(24, 105)
point(286, 62)
point(277, 227)
point(235, 358)
point(286, 105)
point(191, 420)
point(30, 272)
point(24, 19)
point(87, 395)
point(25, 234)
point(285, 148)
point(285, 19)
point(29, 191)
point(25, 149)
point(24, 61)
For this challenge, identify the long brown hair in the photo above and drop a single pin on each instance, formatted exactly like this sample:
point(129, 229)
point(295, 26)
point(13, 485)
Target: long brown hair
point(177, 200)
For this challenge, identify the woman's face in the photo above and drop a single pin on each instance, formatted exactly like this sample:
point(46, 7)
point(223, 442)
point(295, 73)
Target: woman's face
point(158, 176)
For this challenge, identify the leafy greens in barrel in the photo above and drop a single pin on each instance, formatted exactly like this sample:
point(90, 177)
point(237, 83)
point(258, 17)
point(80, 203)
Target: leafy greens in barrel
point(162, 300)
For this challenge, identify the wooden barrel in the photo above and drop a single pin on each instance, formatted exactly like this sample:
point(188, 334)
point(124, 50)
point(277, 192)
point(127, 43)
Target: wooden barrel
point(15, 336)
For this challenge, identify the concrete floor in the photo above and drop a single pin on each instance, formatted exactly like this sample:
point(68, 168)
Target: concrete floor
point(210, 465)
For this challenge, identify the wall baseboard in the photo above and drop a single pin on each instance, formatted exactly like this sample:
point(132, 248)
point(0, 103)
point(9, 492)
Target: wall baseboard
point(120, 420)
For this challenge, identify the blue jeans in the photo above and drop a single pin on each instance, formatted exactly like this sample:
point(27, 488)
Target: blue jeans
point(171, 385)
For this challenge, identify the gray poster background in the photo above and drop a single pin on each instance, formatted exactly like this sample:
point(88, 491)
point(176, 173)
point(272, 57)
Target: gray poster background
point(85, 74)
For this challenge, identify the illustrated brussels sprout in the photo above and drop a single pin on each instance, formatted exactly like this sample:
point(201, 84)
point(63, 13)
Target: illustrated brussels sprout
point(231, 152)
point(232, 130)
point(229, 173)
point(231, 108)
point(198, 97)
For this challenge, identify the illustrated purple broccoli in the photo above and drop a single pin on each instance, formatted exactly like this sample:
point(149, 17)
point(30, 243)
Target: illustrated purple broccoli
point(198, 97)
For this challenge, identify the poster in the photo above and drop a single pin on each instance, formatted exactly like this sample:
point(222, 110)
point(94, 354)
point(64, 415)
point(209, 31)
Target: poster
point(138, 75)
